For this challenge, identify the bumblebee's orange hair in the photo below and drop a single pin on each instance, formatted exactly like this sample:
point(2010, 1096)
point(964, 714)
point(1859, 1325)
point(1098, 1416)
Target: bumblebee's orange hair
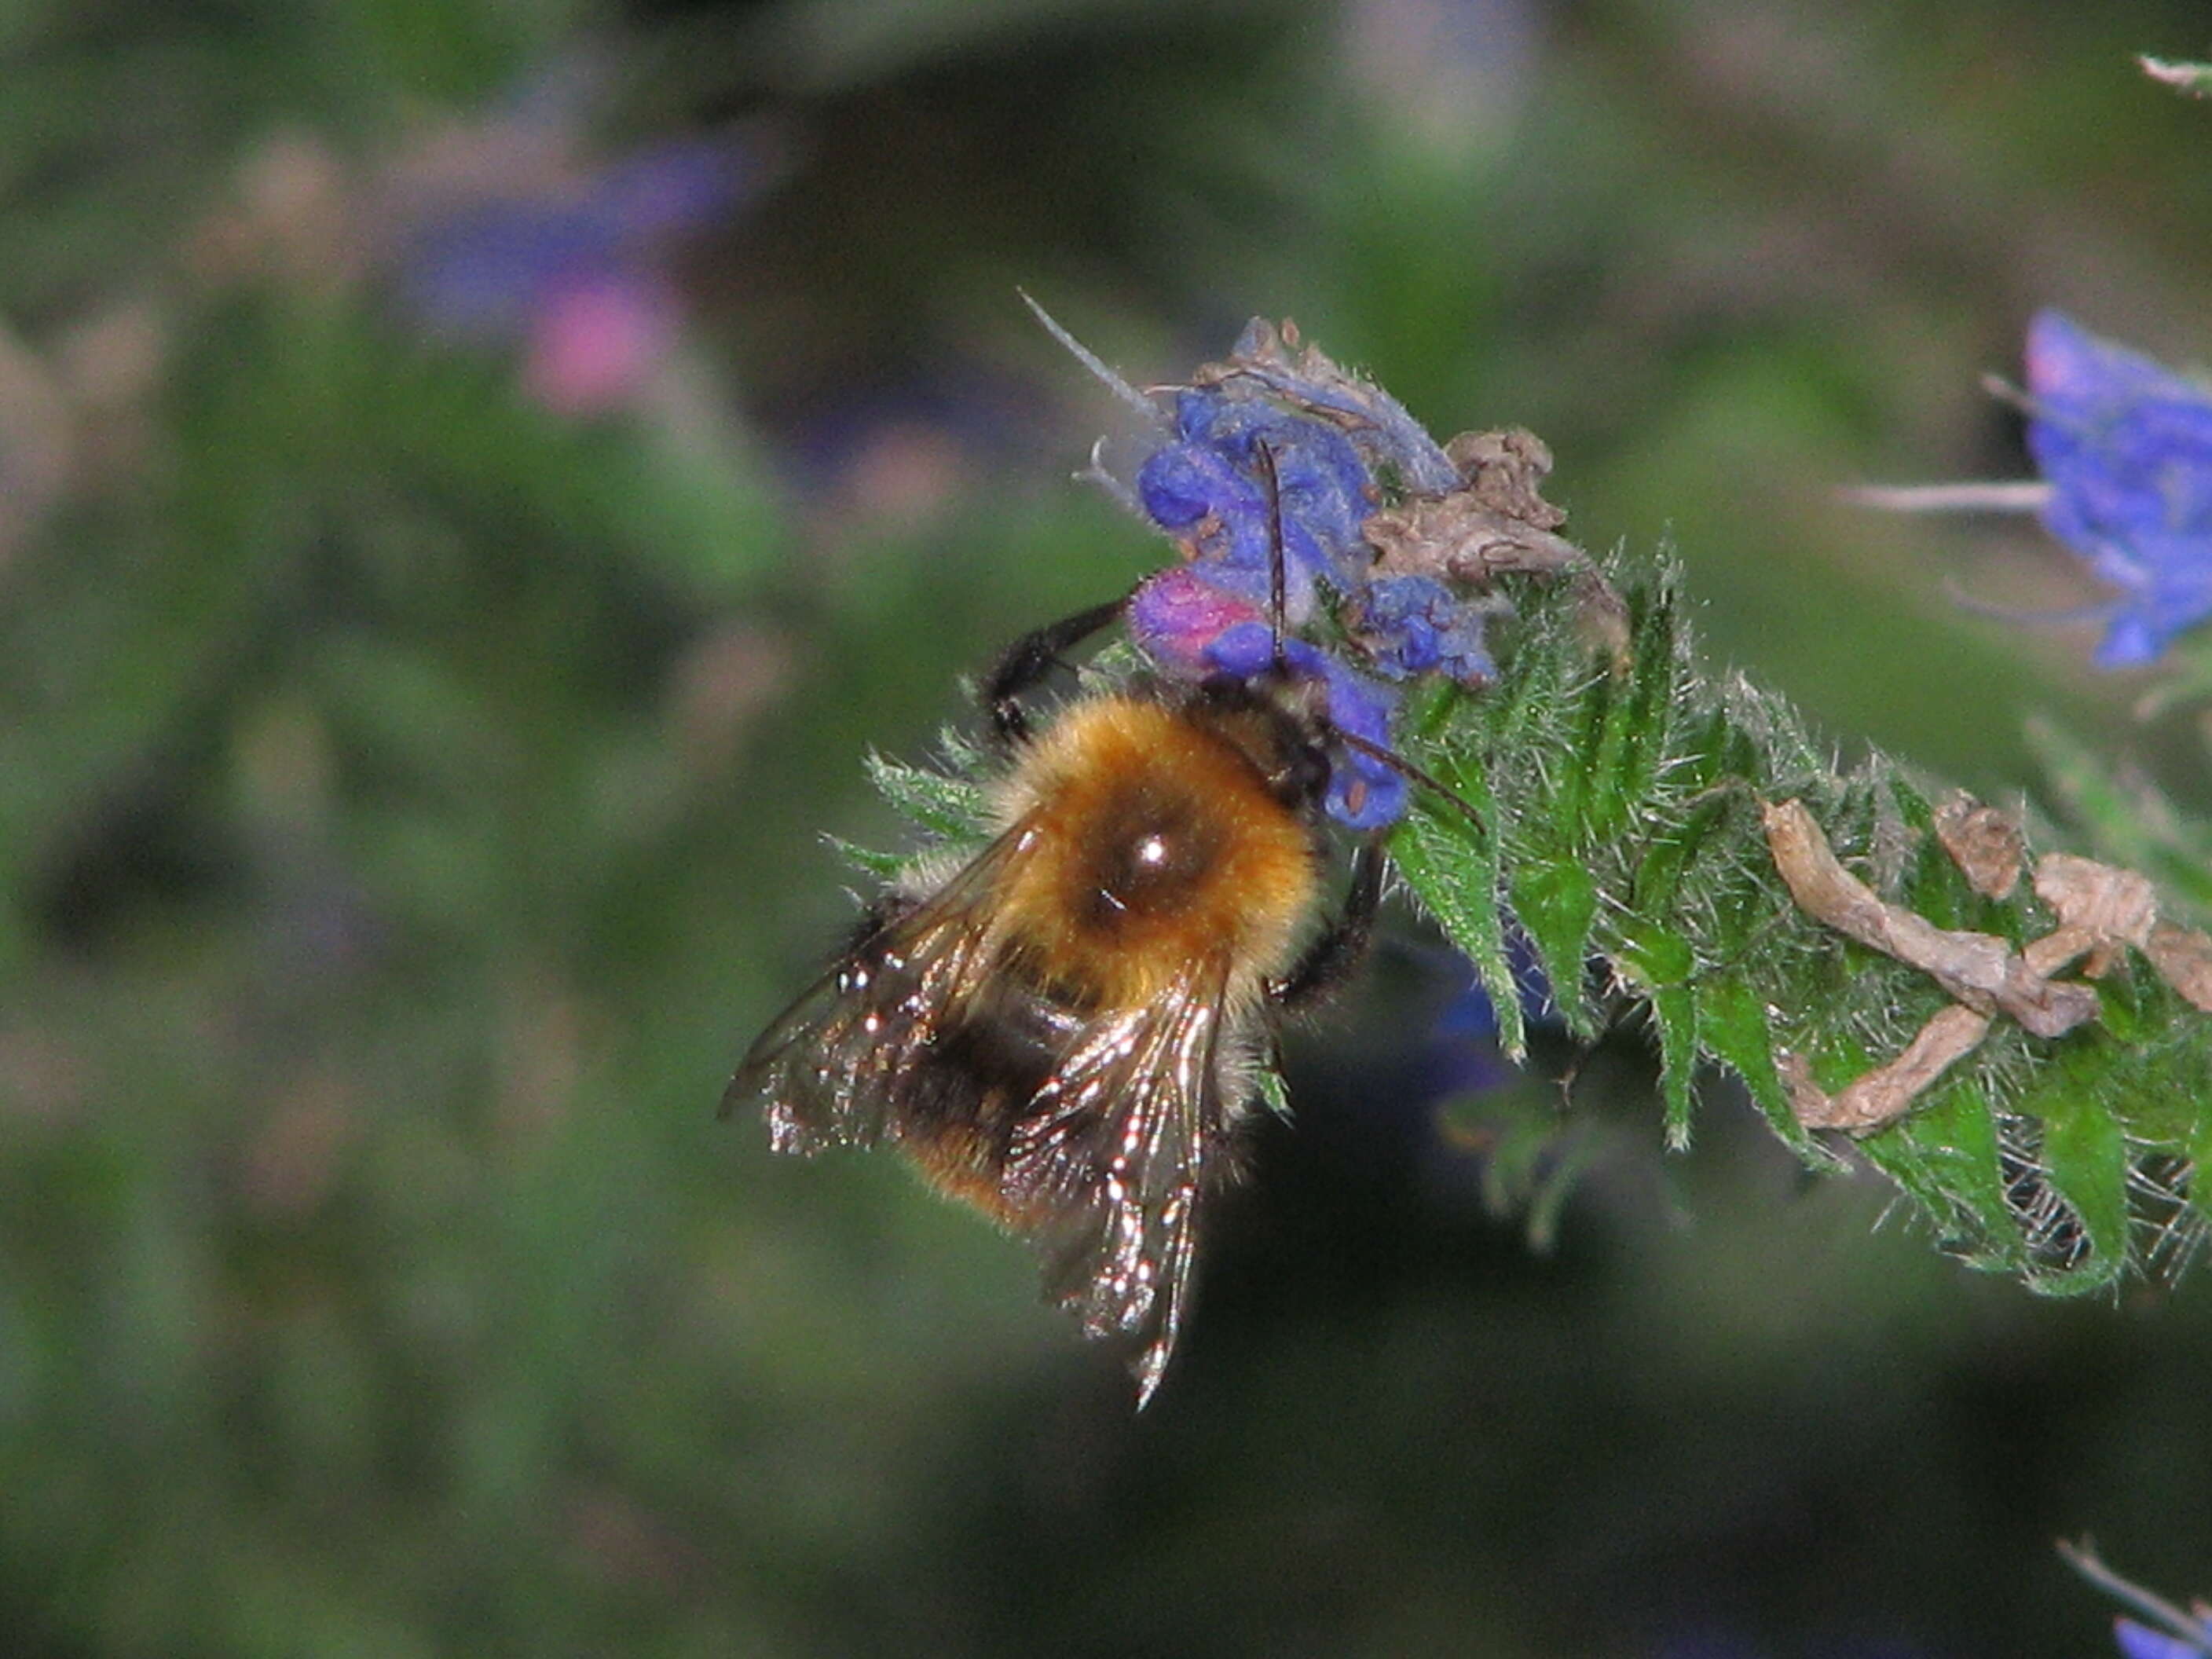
point(1153, 840)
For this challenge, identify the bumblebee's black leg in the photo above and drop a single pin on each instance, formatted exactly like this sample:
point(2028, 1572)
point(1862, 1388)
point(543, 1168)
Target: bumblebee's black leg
point(1333, 955)
point(1028, 659)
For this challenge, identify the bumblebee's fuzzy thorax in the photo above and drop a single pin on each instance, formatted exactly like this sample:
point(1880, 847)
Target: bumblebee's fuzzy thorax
point(1160, 836)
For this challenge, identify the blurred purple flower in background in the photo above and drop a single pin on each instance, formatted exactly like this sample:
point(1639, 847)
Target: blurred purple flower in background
point(2140, 1642)
point(2126, 446)
point(1460, 1053)
point(497, 232)
point(497, 229)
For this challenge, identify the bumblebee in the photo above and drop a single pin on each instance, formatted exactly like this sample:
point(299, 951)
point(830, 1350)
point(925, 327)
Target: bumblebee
point(1068, 1030)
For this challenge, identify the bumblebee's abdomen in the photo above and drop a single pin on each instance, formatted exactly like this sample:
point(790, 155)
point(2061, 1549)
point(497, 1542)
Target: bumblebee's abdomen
point(969, 1094)
point(1158, 841)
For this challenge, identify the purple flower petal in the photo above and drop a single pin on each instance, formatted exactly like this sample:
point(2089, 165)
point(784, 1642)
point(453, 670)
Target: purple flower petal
point(1210, 489)
point(1191, 628)
point(1279, 449)
point(1388, 437)
point(1365, 793)
point(1416, 625)
point(1176, 615)
point(2126, 446)
point(2140, 1642)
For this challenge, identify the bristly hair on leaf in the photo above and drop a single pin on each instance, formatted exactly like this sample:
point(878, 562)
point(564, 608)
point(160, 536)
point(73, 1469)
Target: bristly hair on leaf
point(1633, 830)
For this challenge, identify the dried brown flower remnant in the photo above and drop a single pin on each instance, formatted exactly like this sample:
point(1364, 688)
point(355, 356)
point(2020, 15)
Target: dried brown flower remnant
point(1506, 469)
point(1497, 523)
point(2102, 910)
point(2183, 957)
point(1979, 969)
point(1983, 843)
point(1885, 1094)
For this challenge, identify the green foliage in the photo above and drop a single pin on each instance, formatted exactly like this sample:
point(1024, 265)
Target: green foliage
point(1621, 810)
point(409, 805)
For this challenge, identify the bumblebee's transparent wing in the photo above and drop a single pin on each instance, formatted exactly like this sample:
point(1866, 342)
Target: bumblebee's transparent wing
point(830, 1067)
point(1114, 1156)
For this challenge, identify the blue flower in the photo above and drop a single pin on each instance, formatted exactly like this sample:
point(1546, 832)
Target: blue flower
point(2142, 1642)
point(1278, 448)
point(1269, 435)
point(2125, 445)
point(1210, 489)
point(1416, 625)
point(1276, 465)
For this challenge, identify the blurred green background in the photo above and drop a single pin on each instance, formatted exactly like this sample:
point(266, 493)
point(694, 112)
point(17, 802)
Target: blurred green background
point(475, 477)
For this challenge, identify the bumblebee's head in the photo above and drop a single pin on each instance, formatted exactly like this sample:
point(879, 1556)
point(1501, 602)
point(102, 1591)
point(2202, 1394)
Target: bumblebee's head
point(1200, 635)
point(1279, 722)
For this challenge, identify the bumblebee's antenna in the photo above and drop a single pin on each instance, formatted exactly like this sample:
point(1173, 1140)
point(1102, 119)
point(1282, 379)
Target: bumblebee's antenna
point(1398, 763)
point(1278, 576)
point(1278, 601)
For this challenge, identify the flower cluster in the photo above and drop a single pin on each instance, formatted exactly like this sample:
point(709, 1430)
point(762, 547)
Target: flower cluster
point(1278, 467)
point(2125, 445)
